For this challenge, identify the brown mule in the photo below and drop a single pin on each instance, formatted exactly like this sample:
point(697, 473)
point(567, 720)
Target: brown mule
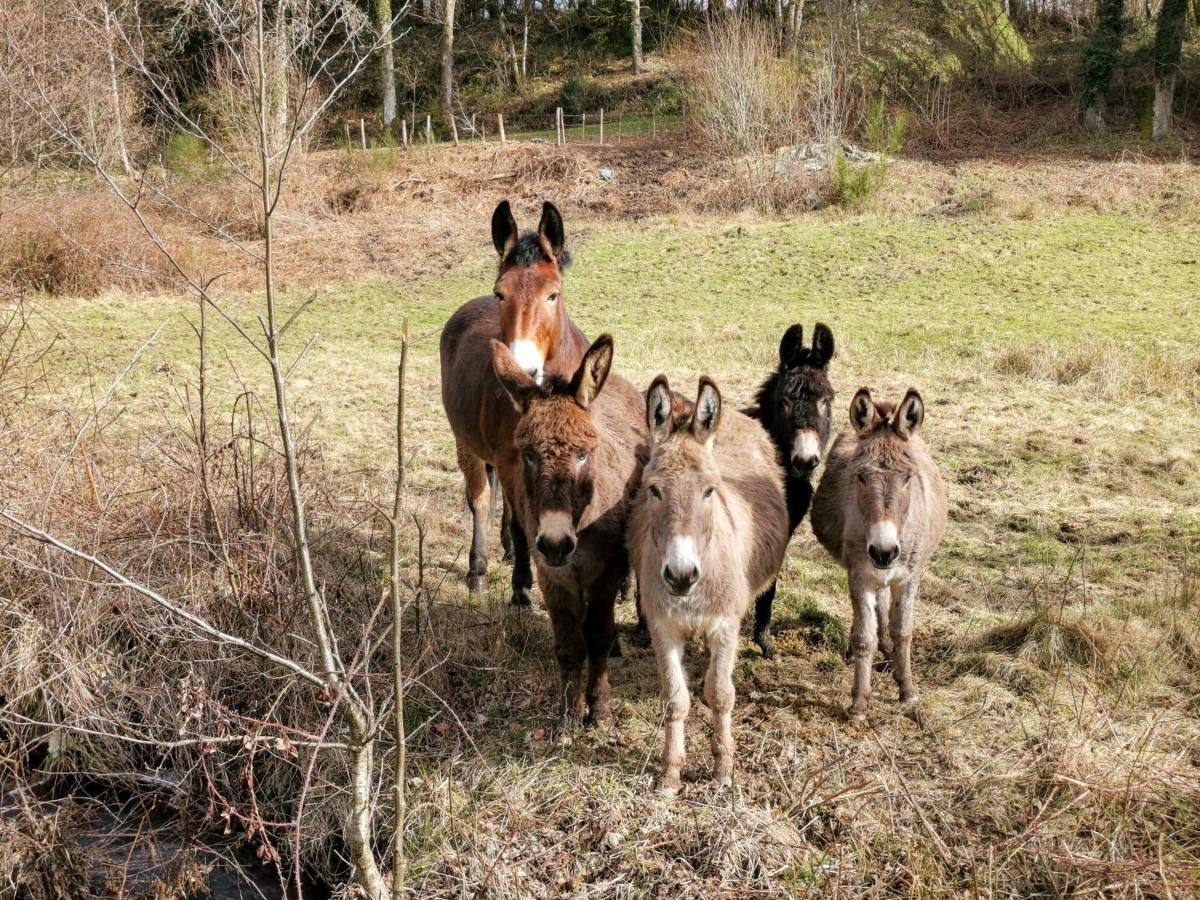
point(528, 314)
point(581, 446)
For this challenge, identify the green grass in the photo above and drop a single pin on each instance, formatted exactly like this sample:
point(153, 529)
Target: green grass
point(1058, 361)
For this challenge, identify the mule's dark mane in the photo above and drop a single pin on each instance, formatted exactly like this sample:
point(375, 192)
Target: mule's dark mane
point(528, 252)
point(764, 398)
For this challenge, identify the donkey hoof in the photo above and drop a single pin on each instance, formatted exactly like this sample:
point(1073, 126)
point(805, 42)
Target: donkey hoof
point(767, 648)
point(522, 597)
point(856, 715)
point(722, 782)
point(477, 584)
point(911, 699)
point(667, 788)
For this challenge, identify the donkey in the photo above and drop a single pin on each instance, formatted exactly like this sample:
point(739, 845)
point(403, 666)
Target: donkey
point(580, 449)
point(795, 405)
point(528, 313)
point(708, 531)
point(880, 509)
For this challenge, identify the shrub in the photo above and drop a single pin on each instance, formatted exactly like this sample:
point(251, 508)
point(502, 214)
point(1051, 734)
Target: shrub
point(184, 153)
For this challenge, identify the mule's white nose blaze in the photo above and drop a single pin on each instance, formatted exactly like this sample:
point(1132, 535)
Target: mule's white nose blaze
point(529, 358)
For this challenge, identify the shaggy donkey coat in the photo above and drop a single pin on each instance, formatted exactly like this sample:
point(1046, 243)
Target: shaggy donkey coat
point(708, 531)
point(880, 509)
point(795, 405)
point(580, 449)
point(528, 313)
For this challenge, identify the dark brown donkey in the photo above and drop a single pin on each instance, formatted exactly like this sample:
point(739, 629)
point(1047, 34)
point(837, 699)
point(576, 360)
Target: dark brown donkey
point(581, 446)
point(795, 405)
point(528, 313)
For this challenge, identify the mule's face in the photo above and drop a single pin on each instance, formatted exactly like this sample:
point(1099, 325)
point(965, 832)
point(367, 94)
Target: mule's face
point(680, 485)
point(555, 439)
point(884, 472)
point(803, 402)
point(529, 286)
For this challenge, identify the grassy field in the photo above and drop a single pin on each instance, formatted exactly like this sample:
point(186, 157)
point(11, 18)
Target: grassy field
point(1057, 645)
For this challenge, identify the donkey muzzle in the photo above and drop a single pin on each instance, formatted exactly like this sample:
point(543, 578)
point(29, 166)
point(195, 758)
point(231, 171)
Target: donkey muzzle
point(883, 544)
point(556, 541)
point(806, 452)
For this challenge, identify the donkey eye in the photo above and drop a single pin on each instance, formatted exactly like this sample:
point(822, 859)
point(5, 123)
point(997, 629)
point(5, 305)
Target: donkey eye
point(862, 477)
point(499, 299)
point(552, 297)
point(581, 458)
point(708, 492)
point(655, 492)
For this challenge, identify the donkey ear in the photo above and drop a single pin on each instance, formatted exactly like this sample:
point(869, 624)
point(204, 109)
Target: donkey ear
point(658, 409)
point(822, 345)
point(863, 415)
point(515, 381)
point(707, 416)
point(910, 414)
point(504, 230)
point(791, 345)
point(593, 371)
point(551, 233)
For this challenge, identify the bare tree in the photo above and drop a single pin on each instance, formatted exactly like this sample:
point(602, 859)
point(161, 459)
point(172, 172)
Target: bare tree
point(387, 60)
point(636, 26)
point(1099, 61)
point(1168, 46)
point(448, 68)
point(263, 46)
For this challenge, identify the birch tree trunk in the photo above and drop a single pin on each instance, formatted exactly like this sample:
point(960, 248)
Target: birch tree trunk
point(637, 36)
point(448, 69)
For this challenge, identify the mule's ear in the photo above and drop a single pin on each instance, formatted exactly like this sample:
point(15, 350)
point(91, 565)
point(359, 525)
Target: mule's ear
point(515, 381)
point(551, 233)
point(909, 414)
point(593, 371)
point(658, 409)
point(822, 346)
point(791, 345)
point(707, 416)
point(504, 230)
point(863, 415)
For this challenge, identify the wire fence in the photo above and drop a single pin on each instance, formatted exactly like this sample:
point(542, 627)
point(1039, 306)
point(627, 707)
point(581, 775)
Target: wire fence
point(559, 128)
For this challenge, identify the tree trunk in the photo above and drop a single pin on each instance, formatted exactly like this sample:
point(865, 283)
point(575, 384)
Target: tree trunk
point(637, 37)
point(448, 69)
point(115, 87)
point(1099, 62)
point(1168, 44)
point(387, 61)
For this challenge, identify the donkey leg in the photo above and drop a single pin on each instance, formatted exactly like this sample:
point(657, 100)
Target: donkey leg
point(903, 614)
point(719, 694)
point(863, 641)
point(570, 648)
point(762, 621)
point(522, 574)
point(677, 702)
point(600, 631)
point(883, 606)
point(475, 476)
point(506, 542)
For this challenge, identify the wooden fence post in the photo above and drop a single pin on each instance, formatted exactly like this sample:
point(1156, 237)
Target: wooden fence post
point(428, 130)
point(558, 125)
point(404, 132)
point(602, 125)
point(500, 127)
point(362, 131)
point(346, 132)
point(583, 129)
